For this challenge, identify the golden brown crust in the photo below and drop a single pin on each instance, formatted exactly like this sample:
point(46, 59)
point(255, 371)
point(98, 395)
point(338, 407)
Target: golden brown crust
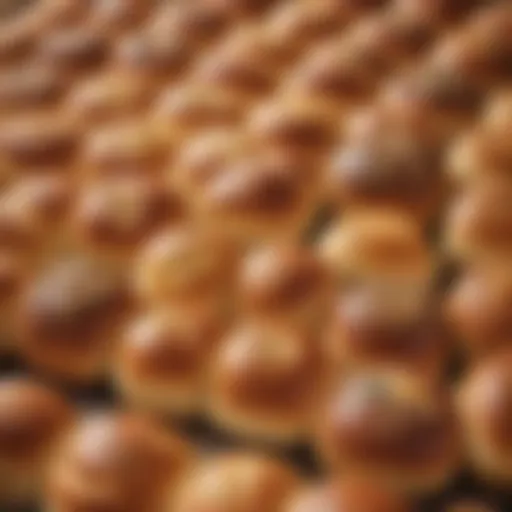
point(347, 495)
point(285, 283)
point(68, 315)
point(478, 310)
point(39, 140)
point(162, 358)
point(117, 461)
point(236, 482)
point(266, 380)
point(363, 334)
point(414, 443)
point(121, 212)
point(395, 172)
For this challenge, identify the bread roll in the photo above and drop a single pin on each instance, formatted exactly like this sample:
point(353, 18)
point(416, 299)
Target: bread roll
point(68, 316)
point(285, 284)
point(162, 359)
point(477, 308)
point(236, 482)
point(484, 411)
point(33, 420)
point(396, 172)
point(366, 333)
point(390, 427)
point(259, 197)
point(114, 215)
point(265, 382)
point(350, 493)
point(186, 265)
point(478, 225)
point(378, 247)
point(115, 461)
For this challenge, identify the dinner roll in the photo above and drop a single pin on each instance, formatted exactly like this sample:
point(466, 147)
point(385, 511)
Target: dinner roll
point(390, 427)
point(265, 382)
point(236, 482)
point(367, 331)
point(162, 359)
point(186, 265)
point(378, 247)
point(127, 147)
point(114, 215)
point(484, 401)
point(68, 316)
point(113, 461)
point(284, 283)
point(396, 171)
point(259, 197)
point(346, 495)
point(39, 140)
point(478, 224)
point(33, 420)
point(477, 308)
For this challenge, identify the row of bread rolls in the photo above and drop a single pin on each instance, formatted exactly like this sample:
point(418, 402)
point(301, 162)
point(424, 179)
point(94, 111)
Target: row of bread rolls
point(113, 461)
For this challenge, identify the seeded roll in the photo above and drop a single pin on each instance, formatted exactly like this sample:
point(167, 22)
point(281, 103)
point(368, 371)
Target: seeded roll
point(265, 382)
point(287, 284)
point(33, 420)
point(390, 427)
point(478, 155)
point(112, 216)
point(236, 482)
point(259, 197)
point(366, 333)
point(477, 309)
point(162, 359)
point(478, 225)
point(127, 147)
point(378, 247)
point(351, 493)
point(116, 461)
point(395, 172)
point(68, 317)
point(186, 265)
point(39, 140)
point(484, 401)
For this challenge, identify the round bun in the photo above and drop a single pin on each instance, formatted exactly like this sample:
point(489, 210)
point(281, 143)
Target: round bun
point(190, 108)
point(480, 155)
point(484, 401)
point(116, 214)
point(68, 316)
point(395, 172)
point(259, 197)
point(162, 358)
point(478, 225)
point(29, 86)
point(366, 332)
point(285, 284)
point(347, 495)
point(116, 461)
point(127, 147)
point(265, 382)
point(236, 482)
point(33, 420)
point(39, 140)
point(377, 246)
point(447, 102)
point(184, 265)
point(107, 97)
point(333, 72)
point(478, 309)
point(390, 427)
